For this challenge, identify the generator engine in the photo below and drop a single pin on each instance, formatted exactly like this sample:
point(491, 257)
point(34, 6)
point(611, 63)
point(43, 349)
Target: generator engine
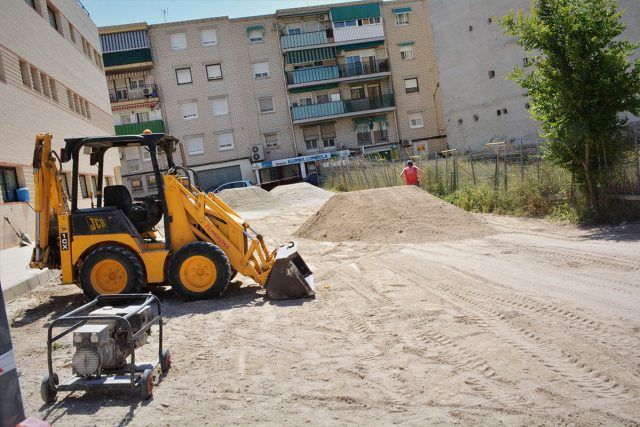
point(103, 344)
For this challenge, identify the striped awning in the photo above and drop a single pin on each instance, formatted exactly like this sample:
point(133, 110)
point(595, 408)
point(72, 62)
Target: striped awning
point(401, 10)
point(358, 46)
point(359, 11)
point(310, 55)
point(313, 88)
point(127, 40)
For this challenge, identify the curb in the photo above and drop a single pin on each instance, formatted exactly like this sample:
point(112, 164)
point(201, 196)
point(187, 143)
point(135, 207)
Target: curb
point(15, 290)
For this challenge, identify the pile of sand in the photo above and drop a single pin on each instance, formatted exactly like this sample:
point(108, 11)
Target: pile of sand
point(391, 215)
point(301, 194)
point(250, 199)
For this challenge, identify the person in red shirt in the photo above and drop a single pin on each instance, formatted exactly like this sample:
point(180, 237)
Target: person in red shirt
point(411, 174)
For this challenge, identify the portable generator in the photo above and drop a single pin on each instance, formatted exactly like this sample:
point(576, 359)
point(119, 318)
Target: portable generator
point(105, 335)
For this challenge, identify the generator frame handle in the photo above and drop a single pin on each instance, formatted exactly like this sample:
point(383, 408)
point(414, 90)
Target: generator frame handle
point(82, 320)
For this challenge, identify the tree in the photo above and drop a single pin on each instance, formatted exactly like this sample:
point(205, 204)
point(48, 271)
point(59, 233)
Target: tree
point(580, 81)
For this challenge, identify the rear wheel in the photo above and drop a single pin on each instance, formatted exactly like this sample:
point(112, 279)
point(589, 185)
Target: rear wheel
point(47, 392)
point(145, 386)
point(199, 270)
point(111, 269)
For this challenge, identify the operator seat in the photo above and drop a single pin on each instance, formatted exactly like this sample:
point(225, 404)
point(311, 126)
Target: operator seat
point(143, 215)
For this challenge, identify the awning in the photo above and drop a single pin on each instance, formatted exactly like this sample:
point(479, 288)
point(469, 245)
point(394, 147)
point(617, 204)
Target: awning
point(126, 57)
point(358, 46)
point(313, 88)
point(367, 120)
point(401, 10)
point(311, 55)
point(406, 43)
point(255, 28)
point(346, 13)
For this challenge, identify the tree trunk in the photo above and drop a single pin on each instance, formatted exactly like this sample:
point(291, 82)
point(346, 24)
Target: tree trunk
point(587, 177)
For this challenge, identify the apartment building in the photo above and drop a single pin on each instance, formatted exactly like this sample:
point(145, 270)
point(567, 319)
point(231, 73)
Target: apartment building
point(51, 80)
point(271, 98)
point(134, 98)
point(222, 90)
point(474, 55)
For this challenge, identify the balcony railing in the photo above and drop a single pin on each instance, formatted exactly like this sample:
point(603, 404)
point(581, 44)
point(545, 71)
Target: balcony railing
point(363, 32)
point(361, 68)
point(155, 126)
point(306, 39)
point(128, 94)
point(305, 112)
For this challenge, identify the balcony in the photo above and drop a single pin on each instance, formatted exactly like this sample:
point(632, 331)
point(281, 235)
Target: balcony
point(346, 34)
point(345, 108)
point(340, 71)
point(127, 94)
point(155, 126)
point(306, 39)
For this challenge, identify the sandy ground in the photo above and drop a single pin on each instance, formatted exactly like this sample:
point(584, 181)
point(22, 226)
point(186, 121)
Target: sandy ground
point(535, 324)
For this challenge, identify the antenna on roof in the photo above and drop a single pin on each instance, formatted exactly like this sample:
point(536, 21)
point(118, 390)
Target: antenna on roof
point(164, 14)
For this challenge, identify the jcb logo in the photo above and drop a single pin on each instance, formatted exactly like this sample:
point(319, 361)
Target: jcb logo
point(96, 223)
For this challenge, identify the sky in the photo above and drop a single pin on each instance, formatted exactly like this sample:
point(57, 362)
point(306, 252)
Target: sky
point(114, 12)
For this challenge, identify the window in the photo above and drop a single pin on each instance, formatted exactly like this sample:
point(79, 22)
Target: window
point(189, 111)
point(256, 36)
point(35, 79)
point(142, 116)
point(31, 3)
point(9, 184)
point(194, 145)
point(402, 19)
point(107, 180)
point(411, 85)
point(94, 184)
point(492, 74)
point(328, 135)
point(3, 77)
point(271, 139)
point(322, 98)
point(146, 156)
point(209, 38)
point(83, 187)
point(72, 33)
point(65, 184)
point(136, 185)
point(214, 72)
point(26, 73)
point(261, 69)
point(357, 92)
point(416, 120)
point(407, 52)
point(53, 18)
point(151, 183)
point(125, 119)
point(266, 105)
point(293, 29)
point(183, 76)
point(131, 153)
point(219, 107)
point(54, 90)
point(138, 83)
point(178, 41)
point(225, 141)
point(310, 136)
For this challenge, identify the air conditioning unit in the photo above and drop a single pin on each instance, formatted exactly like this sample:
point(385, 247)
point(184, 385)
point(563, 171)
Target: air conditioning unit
point(147, 91)
point(323, 17)
point(257, 153)
point(406, 143)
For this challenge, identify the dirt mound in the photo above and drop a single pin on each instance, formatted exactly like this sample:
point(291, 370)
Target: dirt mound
point(301, 194)
point(250, 198)
point(391, 215)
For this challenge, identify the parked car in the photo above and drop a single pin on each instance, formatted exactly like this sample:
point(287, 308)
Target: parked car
point(229, 185)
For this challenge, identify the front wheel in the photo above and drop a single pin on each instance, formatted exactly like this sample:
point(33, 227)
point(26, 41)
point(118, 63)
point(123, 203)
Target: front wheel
point(47, 392)
point(199, 270)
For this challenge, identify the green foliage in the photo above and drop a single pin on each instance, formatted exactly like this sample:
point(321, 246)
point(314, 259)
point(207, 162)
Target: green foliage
point(579, 80)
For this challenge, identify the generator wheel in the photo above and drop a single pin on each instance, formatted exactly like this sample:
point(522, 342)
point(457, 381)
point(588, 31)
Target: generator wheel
point(47, 392)
point(199, 270)
point(165, 361)
point(111, 269)
point(145, 385)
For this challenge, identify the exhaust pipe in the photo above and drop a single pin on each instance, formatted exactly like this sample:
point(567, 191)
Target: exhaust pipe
point(290, 277)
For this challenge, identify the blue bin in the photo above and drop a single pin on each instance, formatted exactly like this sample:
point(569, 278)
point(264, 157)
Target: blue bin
point(23, 194)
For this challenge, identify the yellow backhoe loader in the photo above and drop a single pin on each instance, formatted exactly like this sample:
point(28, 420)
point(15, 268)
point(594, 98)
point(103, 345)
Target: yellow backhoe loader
point(115, 247)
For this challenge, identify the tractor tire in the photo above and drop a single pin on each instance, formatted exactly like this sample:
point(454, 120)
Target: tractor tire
point(111, 269)
point(199, 270)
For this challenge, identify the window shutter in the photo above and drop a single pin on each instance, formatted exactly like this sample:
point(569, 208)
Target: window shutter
point(183, 75)
point(194, 145)
point(131, 153)
point(214, 72)
point(178, 41)
point(225, 141)
point(190, 111)
point(310, 133)
point(328, 130)
point(261, 69)
point(266, 104)
point(219, 107)
point(209, 37)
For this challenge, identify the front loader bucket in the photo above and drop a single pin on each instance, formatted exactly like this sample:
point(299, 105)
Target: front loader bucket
point(290, 277)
